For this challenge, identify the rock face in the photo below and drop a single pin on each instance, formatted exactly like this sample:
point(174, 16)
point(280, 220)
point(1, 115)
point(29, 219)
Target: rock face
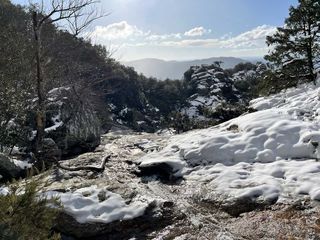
point(214, 94)
point(153, 219)
point(8, 170)
point(71, 123)
point(183, 209)
point(50, 153)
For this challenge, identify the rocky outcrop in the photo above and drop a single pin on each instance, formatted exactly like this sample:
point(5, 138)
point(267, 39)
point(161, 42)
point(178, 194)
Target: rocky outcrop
point(8, 170)
point(71, 122)
point(50, 154)
point(186, 209)
point(214, 96)
point(154, 218)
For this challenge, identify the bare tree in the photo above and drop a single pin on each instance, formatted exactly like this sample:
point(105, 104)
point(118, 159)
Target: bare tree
point(79, 14)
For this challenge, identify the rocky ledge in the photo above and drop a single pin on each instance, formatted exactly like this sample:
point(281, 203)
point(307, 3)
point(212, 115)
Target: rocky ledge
point(173, 208)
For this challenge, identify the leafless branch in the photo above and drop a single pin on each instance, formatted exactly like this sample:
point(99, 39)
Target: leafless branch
point(75, 12)
point(87, 168)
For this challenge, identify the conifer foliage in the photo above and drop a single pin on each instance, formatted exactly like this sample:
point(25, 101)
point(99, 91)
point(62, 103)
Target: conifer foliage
point(295, 47)
point(26, 213)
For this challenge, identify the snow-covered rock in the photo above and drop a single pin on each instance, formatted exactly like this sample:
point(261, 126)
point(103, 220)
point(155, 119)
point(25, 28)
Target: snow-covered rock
point(71, 122)
point(10, 168)
point(212, 87)
point(269, 154)
point(302, 102)
point(92, 204)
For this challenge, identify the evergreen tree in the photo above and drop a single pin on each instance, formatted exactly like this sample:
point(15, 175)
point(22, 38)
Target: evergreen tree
point(295, 47)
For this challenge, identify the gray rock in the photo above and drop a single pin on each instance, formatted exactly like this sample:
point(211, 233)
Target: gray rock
point(154, 218)
point(72, 124)
point(8, 170)
point(50, 153)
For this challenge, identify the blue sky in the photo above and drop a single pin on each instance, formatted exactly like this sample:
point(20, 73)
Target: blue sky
point(187, 29)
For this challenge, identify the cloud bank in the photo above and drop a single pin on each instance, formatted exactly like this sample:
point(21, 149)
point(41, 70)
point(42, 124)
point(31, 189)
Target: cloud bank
point(125, 35)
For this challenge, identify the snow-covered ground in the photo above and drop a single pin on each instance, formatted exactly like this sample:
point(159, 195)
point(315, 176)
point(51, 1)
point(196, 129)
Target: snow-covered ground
point(300, 103)
point(270, 154)
point(93, 204)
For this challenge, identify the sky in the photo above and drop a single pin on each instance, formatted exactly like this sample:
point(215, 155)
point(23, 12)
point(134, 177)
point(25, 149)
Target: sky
point(186, 29)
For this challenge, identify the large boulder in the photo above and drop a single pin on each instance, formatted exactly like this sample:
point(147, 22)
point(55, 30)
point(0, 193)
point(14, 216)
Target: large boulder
point(49, 154)
point(154, 218)
point(8, 170)
point(213, 95)
point(71, 122)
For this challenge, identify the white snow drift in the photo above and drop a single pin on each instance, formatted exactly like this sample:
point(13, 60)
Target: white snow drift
point(92, 204)
point(262, 154)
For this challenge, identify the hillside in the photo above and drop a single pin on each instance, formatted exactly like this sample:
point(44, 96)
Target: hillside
point(219, 148)
point(161, 69)
point(260, 168)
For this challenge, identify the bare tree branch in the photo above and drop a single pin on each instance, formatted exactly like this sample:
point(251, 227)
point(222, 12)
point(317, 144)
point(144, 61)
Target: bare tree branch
point(87, 168)
point(73, 11)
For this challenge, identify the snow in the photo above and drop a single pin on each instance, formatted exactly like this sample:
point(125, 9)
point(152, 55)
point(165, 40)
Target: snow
point(57, 91)
point(92, 204)
point(213, 87)
point(280, 180)
point(124, 111)
point(22, 164)
point(301, 103)
point(243, 75)
point(196, 101)
point(4, 191)
point(262, 136)
point(269, 154)
point(54, 127)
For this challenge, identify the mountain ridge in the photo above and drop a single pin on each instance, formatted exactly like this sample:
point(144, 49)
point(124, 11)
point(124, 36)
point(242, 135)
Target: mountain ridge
point(174, 69)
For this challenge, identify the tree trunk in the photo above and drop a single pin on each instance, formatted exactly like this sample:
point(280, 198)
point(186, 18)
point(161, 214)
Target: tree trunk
point(312, 76)
point(40, 113)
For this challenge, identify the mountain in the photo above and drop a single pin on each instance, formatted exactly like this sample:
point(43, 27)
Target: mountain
point(152, 67)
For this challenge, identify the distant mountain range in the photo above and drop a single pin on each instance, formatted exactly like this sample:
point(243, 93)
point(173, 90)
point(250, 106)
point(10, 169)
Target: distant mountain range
point(161, 69)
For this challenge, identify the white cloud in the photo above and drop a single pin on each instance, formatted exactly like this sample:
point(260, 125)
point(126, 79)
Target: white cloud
point(132, 40)
point(251, 38)
point(120, 30)
point(197, 31)
point(156, 37)
point(254, 38)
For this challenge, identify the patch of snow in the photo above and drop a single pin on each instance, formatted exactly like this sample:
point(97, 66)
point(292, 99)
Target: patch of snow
point(262, 136)
point(282, 179)
point(302, 102)
point(4, 191)
point(92, 204)
point(55, 91)
point(112, 106)
point(123, 111)
point(201, 86)
point(54, 127)
point(22, 164)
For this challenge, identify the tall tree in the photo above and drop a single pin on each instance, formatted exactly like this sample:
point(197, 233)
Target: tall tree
point(295, 47)
point(15, 73)
point(78, 17)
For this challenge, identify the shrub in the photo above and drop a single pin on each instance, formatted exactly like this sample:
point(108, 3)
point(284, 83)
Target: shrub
point(27, 214)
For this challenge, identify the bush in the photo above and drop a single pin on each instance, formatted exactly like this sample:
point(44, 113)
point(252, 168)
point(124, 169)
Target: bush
point(26, 214)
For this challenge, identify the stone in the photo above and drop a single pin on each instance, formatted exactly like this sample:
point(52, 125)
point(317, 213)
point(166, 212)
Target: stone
point(71, 123)
point(8, 170)
point(50, 153)
point(154, 218)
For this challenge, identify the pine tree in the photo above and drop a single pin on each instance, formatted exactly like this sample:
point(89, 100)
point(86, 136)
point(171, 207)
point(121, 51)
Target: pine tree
point(296, 45)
